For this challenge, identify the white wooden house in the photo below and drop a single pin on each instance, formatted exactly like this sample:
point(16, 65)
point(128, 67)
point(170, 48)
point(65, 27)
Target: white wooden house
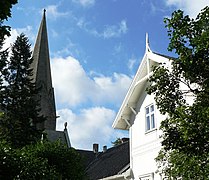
point(138, 114)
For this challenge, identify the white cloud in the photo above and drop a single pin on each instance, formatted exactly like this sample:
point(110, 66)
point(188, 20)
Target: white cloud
point(16, 32)
point(71, 49)
point(109, 31)
point(82, 23)
point(90, 126)
point(111, 89)
point(85, 3)
point(131, 63)
point(115, 30)
point(191, 7)
point(73, 86)
point(11, 39)
point(53, 13)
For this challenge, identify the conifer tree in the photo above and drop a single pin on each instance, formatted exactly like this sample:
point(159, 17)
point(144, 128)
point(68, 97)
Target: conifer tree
point(21, 113)
point(5, 13)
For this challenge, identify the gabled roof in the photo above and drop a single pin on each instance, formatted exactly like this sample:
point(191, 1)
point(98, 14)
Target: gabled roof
point(113, 162)
point(137, 87)
point(88, 156)
point(53, 136)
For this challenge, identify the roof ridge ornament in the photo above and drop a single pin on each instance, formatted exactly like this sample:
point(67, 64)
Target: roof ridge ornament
point(147, 44)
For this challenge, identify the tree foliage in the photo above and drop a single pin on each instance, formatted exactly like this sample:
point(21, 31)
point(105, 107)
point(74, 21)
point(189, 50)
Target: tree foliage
point(5, 12)
point(182, 93)
point(66, 161)
point(21, 115)
point(22, 155)
point(118, 141)
point(44, 160)
point(20, 146)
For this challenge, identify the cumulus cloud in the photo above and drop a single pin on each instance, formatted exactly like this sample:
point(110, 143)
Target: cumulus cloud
point(16, 32)
point(111, 89)
point(191, 7)
point(74, 86)
point(71, 82)
point(9, 40)
point(92, 125)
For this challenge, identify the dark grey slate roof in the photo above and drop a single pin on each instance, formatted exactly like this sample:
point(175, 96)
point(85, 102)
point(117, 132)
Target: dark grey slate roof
point(53, 135)
point(88, 156)
point(112, 162)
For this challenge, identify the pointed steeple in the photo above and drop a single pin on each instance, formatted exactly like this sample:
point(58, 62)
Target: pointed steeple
point(42, 77)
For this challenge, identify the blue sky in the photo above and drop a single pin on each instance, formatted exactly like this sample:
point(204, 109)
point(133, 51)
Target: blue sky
point(96, 47)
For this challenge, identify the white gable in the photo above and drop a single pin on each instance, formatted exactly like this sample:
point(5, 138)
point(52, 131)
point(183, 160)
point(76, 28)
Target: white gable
point(150, 59)
point(138, 113)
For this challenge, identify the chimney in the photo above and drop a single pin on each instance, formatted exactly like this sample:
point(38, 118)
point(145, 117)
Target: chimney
point(104, 149)
point(95, 148)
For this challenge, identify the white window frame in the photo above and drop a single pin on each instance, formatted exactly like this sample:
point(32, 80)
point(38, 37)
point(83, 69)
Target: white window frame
point(150, 118)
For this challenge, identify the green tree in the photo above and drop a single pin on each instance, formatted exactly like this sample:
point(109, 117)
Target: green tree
point(21, 115)
point(8, 161)
point(185, 145)
point(5, 12)
point(118, 141)
point(21, 156)
point(66, 161)
point(43, 160)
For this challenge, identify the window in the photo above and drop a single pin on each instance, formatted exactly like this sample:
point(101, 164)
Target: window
point(150, 117)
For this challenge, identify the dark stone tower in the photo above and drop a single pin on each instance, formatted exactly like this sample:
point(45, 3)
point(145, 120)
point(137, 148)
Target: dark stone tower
point(42, 77)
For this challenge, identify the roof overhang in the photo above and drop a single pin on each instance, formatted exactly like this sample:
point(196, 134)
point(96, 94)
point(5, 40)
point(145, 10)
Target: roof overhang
point(137, 87)
point(122, 120)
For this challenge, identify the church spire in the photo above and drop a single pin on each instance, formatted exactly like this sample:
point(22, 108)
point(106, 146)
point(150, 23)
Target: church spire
point(42, 76)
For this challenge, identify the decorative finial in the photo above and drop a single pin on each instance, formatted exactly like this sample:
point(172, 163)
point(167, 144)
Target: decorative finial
point(65, 125)
point(147, 43)
point(44, 11)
